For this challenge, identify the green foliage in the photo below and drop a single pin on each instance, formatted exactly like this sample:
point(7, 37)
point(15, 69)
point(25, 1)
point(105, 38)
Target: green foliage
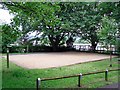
point(0, 38)
point(9, 36)
point(108, 30)
point(86, 22)
point(58, 20)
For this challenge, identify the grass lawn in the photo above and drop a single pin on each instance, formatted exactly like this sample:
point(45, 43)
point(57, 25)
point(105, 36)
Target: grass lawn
point(18, 77)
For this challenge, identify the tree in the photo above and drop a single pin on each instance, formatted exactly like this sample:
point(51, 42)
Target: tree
point(108, 31)
point(56, 21)
point(87, 19)
point(86, 22)
point(45, 19)
point(25, 25)
point(9, 36)
point(112, 11)
point(0, 38)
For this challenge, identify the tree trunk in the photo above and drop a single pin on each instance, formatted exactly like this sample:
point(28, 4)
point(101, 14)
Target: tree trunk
point(94, 41)
point(55, 47)
point(94, 44)
point(54, 43)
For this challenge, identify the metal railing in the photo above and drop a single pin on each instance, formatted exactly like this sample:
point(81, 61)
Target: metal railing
point(99, 49)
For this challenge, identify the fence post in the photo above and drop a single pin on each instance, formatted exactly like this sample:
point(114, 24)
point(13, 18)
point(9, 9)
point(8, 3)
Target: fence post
point(106, 75)
point(38, 82)
point(79, 80)
point(7, 57)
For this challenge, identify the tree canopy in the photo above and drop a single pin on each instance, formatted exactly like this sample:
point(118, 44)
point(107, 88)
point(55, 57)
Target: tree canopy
point(56, 22)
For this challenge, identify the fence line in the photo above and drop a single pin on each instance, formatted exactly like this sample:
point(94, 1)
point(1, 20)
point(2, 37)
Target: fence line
point(46, 79)
point(99, 49)
point(38, 82)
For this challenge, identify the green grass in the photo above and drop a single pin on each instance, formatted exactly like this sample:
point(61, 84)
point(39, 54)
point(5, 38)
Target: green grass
point(18, 77)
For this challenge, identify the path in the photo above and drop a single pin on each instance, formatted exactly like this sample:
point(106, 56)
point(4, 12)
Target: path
point(115, 86)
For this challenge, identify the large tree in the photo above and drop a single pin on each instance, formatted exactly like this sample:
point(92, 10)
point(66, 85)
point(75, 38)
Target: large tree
point(58, 20)
point(87, 19)
point(85, 22)
point(44, 17)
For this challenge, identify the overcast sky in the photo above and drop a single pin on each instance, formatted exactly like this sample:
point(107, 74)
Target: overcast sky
point(5, 16)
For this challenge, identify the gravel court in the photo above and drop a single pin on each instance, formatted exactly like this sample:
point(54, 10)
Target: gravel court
point(50, 60)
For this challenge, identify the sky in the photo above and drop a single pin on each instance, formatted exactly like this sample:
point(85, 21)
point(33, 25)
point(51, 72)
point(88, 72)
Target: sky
point(5, 16)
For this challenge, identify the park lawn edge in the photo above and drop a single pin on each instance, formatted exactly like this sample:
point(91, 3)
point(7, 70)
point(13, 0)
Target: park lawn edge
point(16, 74)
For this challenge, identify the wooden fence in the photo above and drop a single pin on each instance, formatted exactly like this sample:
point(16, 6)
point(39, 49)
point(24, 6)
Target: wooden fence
point(39, 80)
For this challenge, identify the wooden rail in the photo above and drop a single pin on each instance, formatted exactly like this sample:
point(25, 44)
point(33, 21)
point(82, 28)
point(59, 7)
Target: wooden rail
point(46, 79)
point(38, 81)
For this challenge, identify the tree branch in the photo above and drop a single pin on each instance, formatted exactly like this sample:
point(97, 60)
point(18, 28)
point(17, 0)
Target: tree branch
point(24, 8)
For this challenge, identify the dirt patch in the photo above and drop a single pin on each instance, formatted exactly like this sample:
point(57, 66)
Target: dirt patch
point(49, 60)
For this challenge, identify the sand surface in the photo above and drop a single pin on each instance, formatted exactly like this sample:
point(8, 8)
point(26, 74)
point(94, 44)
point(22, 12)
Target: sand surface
point(49, 60)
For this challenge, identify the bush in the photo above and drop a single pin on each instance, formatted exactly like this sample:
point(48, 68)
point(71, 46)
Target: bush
point(37, 48)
